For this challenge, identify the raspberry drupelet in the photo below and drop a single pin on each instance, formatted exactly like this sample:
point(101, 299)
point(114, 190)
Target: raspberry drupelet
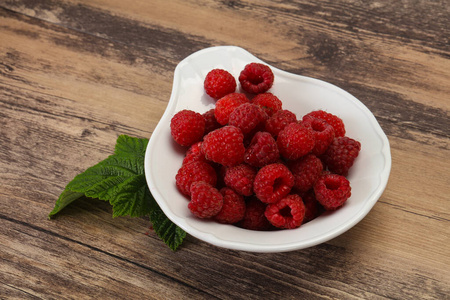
point(224, 146)
point(273, 182)
point(288, 213)
point(268, 102)
point(332, 190)
point(192, 172)
point(194, 153)
point(233, 208)
point(206, 200)
point(313, 208)
point(333, 120)
point(256, 78)
point(322, 131)
point(210, 121)
point(226, 105)
point(295, 141)
point(341, 155)
point(254, 217)
point(262, 150)
point(248, 118)
point(187, 127)
point(240, 178)
point(219, 83)
point(306, 171)
point(279, 120)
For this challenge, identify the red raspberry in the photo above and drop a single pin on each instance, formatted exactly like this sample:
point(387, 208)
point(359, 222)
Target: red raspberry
point(256, 78)
point(187, 127)
point(295, 141)
point(268, 102)
point(332, 190)
point(233, 208)
point(313, 208)
point(287, 213)
point(224, 146)
point(240, 178)
point(195, 171)
point(279, 120)
point(333, 120)
point(206, 200)
point(254, 218)
point(273, 182)
point(306, 170)
point(226, 105)
point(210, 121)
point(323, 133)
point(341, 155)
point(219, 83)
point(247, 117)
point(263, 150)
point(194, 153)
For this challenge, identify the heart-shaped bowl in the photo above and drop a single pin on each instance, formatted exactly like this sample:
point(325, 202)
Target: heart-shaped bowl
point(368, 176)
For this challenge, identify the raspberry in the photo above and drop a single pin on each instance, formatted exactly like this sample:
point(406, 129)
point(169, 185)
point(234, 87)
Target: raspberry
point(224, 146)
point(323, 133)
point(194, 153)
point(313, 208)
point(206, 200)
point(287, 213)
point(273, 182)
point(233, 208)
point(187, 127)
point(210, 121)
point(295, 141)
point(219, 83)
point(279, 120)
point(332, 190)
point(240, 178)
point(226, 105)
point(335, 121)
point(341, 155)
point(247, 117)
point(306, 170)
point(263, 150)
point(253, 164)
point(268, 102)
point(195, 171)
point(256, 78)
point(254, 218)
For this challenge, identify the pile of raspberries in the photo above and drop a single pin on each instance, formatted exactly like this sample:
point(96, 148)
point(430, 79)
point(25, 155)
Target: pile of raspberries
point(251, 163)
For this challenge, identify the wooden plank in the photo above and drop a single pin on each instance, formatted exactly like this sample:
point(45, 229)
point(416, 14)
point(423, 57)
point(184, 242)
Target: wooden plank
point(75, 74)
point(332, 41)
point(42, 269)
point(369, 90)
point(386, 230)
point(47, 69)
point(329, 270)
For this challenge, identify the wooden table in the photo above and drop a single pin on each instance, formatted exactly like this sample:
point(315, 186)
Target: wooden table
point(76, 74)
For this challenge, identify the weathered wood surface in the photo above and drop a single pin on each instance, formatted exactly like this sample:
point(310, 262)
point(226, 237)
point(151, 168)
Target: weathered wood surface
point(76, 74)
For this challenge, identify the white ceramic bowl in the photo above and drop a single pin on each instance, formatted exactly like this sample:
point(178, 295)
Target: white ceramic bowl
point(368, 176)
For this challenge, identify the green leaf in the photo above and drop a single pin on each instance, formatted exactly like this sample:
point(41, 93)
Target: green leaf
point(130, 146)
point(131, 199)
point(120, 180)
point(104, 179)
point(64, 199)
point(170, 233)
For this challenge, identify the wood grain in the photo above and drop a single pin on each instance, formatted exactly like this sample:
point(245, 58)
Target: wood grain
point(76, 74)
